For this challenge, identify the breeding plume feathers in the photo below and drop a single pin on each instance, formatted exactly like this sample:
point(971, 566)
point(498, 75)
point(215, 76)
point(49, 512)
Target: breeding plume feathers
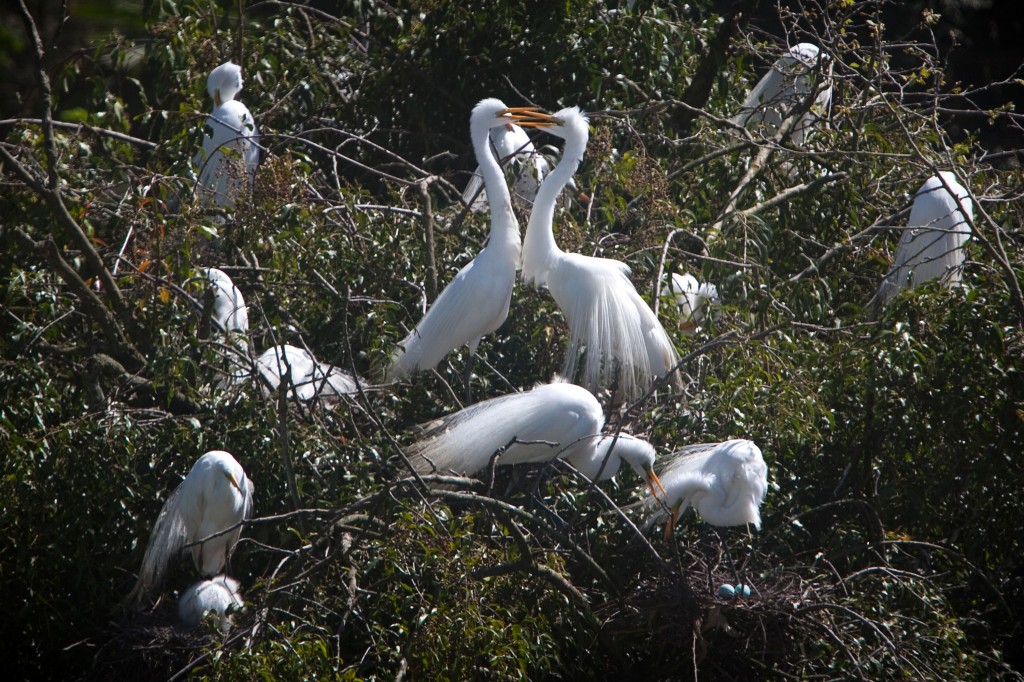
point(724, 482)
point(552, 420)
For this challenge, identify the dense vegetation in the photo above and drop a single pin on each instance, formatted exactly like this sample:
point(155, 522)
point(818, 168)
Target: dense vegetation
point(889, 547)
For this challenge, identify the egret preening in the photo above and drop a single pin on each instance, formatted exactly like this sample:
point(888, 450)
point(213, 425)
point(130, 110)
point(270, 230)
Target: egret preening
point(476, 302)
point(693, 298)
point(531, 167)
point(932, 245)
point(215, 496)
point(602, 459)
point(218, 597)
point(552, 420)
point(625, 344)
point(230, 154)
point(724, 482)
point(303, 374)
point(785, 89)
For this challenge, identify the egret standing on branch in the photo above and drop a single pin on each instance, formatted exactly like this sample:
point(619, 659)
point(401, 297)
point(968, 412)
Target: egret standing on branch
point(626, 346)
point(785, 89)
point(476, 302)
point(693, 298)
point(932, 245)
point(230, 153)
point(215, 496)
point(724, 482)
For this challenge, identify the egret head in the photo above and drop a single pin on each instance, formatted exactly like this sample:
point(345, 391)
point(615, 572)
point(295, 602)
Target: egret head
point(224, 83)
point(566, 123)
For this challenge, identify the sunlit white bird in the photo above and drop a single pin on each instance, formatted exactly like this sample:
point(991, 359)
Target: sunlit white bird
point(693, 298)
point(932, 245)
point(625, 344)
point(230, 154)
point(724, 482)
point(551, 421)
point(305, 377)
point(213, 500)
point(476, 302)
point(229, 310)
point(217, 597)
point(785, 88)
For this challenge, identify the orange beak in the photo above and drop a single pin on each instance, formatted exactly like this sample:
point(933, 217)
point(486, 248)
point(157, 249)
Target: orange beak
point(654, 484)
point(671, 524)
point(531, 117)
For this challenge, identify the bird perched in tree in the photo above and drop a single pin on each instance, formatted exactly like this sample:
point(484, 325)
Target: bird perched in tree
point(693, 298)
point(204, 513)
point(625, 345)
point(785, 89)
point(230, 153)
point(724, 482)
point(932, 245)
point(305, 377)
point(217, 596)
point(476, 302)
point(551, 421)
point(229, 310)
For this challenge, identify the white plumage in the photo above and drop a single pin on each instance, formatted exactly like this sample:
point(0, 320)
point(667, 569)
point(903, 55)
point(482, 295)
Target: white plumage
point(693, 298)
point(229, 310)
point(218, 597)
point(785, 88)
point(228, 160)
point(932, 245)
point(306, 377)
point(215, 496)
point(552, 420)
point(476, 302)
point(724, 482)
point(625, 344)
point(599, 459)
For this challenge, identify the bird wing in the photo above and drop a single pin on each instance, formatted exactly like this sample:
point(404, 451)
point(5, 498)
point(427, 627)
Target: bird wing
point(473, 304)
point(166, 540)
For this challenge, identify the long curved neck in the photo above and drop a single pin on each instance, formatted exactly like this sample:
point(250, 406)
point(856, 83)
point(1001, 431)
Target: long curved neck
point(504, 225)
point(539, 247)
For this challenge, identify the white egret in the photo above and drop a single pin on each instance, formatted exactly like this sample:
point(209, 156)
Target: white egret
point(601, 461)
point(785, 88)
point(476, 302)
point(549, 421)
point(219, 597)
point(305, 376)
point(625, 344)
point(552, 421)
point(724, 482)
point(693, 298)
point(229, 310)
point(215, 496)
point(230, 154)
point(932, 245)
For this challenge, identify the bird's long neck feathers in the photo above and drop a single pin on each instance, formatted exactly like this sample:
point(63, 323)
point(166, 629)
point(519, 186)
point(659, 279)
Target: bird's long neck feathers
point(539, 247)
point(504, 226)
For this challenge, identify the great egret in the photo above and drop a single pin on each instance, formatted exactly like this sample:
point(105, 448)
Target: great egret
point(215, 496)
point(218, 597)
point(229, 310)
point(724, 482)
point(304, 375)
point(549, 421)
point(476, 302)
point(693, 298)
point(552, 421)
point(601, 461)
point(625, 344)
point(230, 153)
point(932, 245)
point(785, 88)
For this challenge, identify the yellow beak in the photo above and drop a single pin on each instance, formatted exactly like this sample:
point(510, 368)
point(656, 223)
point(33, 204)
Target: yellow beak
point(531, 117)
point(671, 523)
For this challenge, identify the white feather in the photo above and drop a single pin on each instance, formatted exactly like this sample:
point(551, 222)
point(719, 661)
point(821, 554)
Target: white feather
point(218, 596)
point(693, 298)
point(306, 377)
point(230, 153)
